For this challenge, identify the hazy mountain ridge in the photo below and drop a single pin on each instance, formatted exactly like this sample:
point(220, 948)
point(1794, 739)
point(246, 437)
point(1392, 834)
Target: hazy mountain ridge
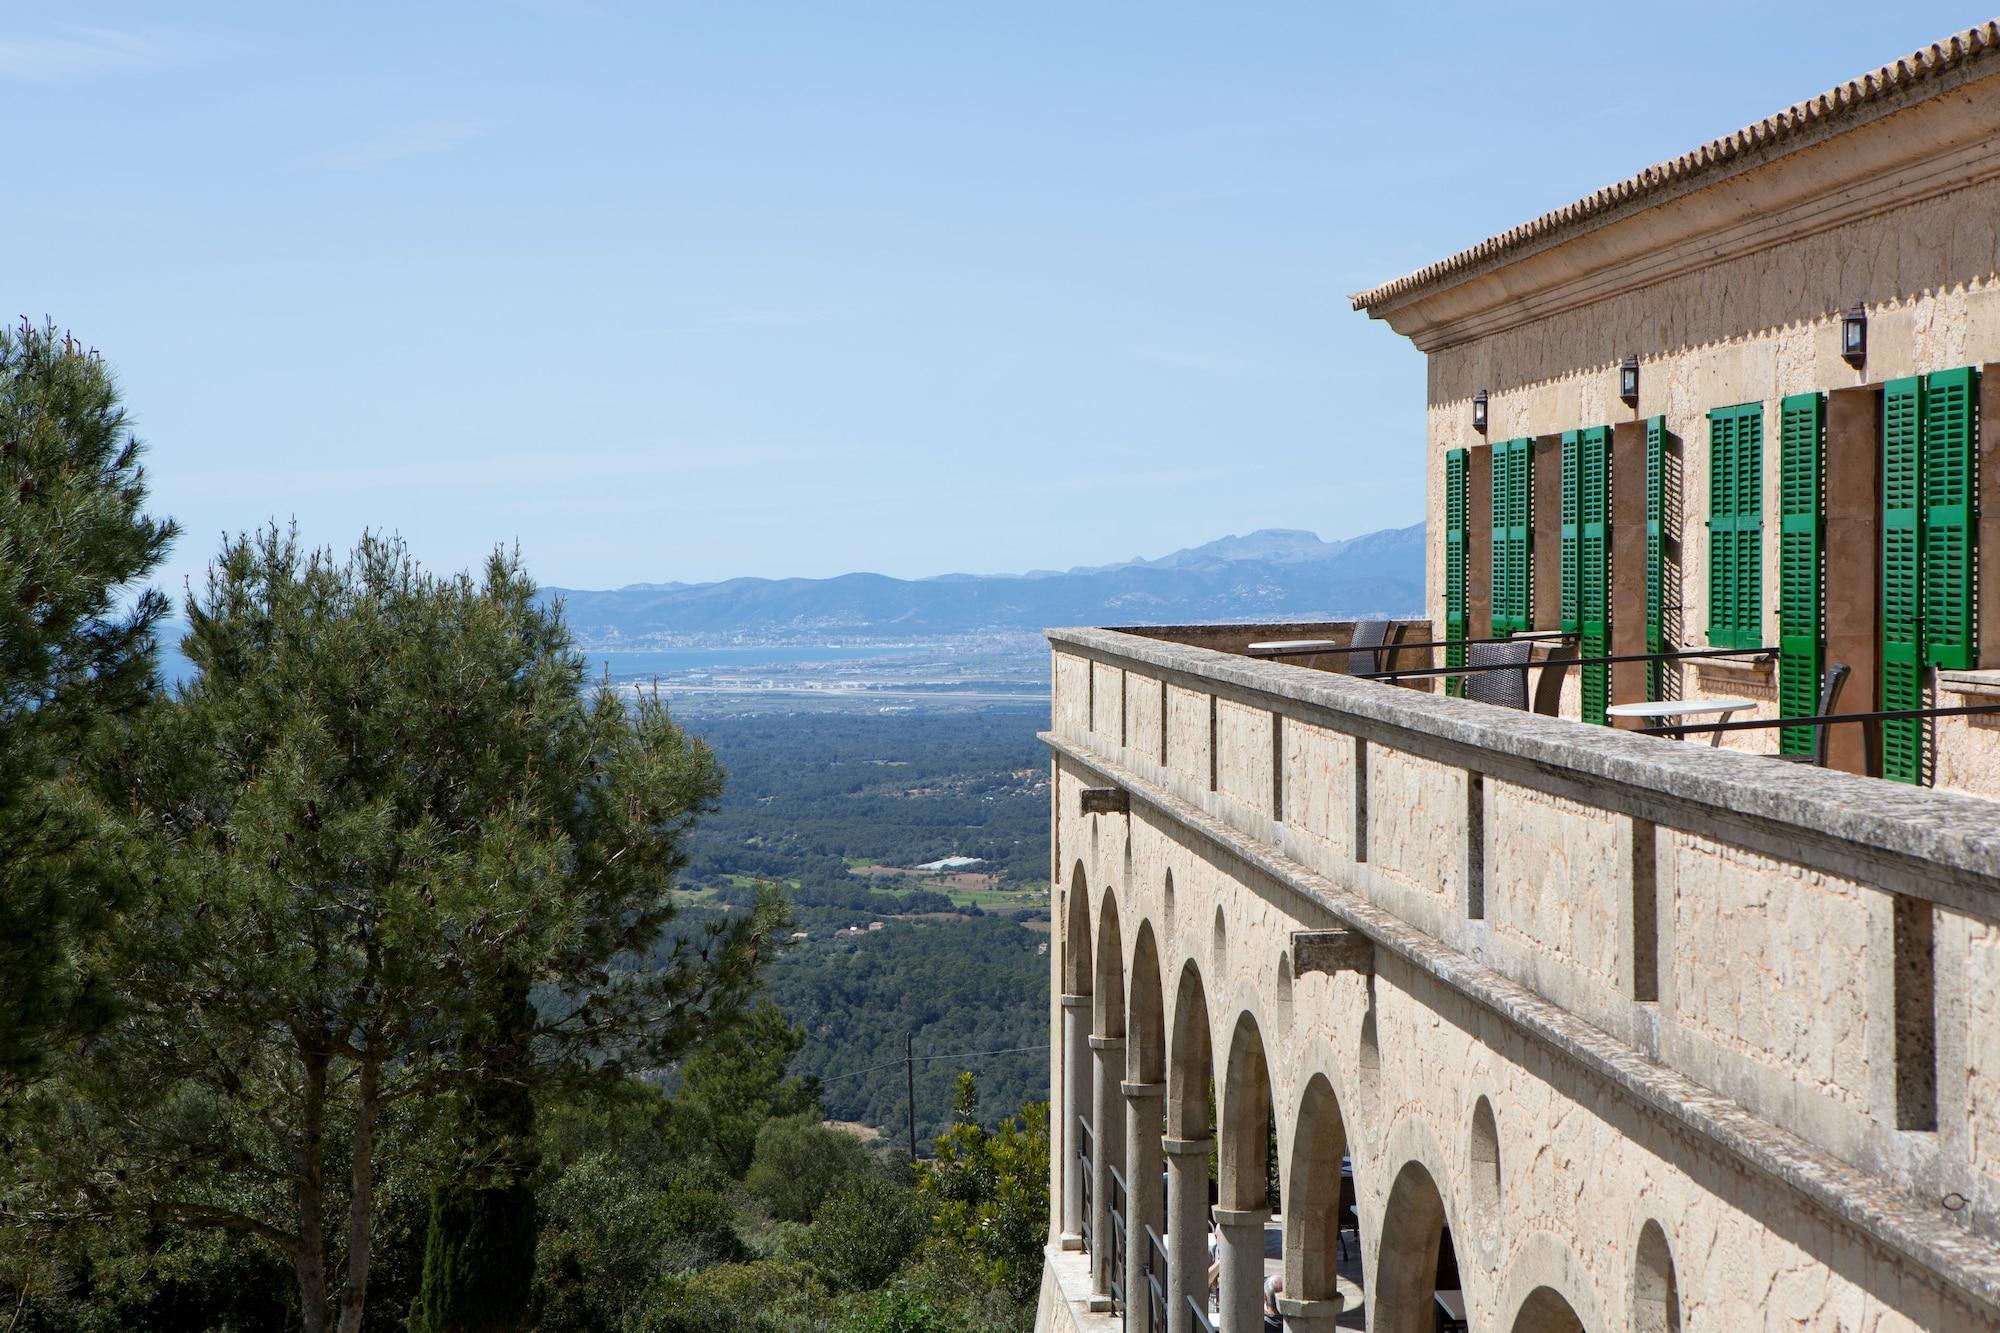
point(1273, 573)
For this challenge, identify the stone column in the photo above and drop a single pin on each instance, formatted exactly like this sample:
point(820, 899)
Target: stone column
point(1107, 1118)
point(1242, 1277)
point(1075, 1102)
point(1187, 1229)
point(1144, 1206)
point(1309, 1316)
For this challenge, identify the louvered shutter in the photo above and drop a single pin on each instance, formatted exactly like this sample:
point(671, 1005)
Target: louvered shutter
point(1656, 549)
point(1736, 526)
point(1801, 564)
point(1902, 604)
point(1570, 571)
point(1454, 566)
point(1513, 538)
point(1593, 553)
point(1950, 523)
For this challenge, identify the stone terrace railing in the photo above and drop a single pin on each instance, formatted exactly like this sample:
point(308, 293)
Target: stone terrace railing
point(1820, 949)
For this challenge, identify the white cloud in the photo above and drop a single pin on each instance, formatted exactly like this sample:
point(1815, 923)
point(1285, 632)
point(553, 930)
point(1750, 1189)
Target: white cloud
point(76, 53)
point(423, 140)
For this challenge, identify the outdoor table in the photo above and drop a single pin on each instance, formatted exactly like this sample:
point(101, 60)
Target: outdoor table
point(1453, 1305)
point(1673, 709)
point(1269, 646)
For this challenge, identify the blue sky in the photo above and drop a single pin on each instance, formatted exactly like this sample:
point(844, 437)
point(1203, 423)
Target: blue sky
point(687, 291)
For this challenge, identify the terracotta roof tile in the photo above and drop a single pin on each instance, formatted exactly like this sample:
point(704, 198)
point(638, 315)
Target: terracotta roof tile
point(1972, 44)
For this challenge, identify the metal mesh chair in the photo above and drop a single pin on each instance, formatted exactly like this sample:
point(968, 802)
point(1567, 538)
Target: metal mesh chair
point(1369, 635)
point(1503, 689)
point(1829, 695)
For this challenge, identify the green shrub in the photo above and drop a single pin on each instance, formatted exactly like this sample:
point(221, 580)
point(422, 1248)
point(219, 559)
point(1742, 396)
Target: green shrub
point(799, 1163)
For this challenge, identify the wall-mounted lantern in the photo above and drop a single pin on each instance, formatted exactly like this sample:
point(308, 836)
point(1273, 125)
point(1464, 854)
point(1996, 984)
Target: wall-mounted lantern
point(1479, 411)
point(1854, 336)
point(1628, 381)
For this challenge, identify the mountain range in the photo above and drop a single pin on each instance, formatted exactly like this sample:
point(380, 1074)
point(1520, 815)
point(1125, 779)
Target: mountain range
point(1275, 573)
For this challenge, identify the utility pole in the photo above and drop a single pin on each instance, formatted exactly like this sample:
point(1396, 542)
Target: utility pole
point(910, 1080)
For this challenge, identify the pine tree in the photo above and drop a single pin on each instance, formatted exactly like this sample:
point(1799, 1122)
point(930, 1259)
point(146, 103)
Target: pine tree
point(74, 667)
point(383, 803)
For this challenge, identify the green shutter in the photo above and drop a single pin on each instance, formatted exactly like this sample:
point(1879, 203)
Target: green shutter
point(1454, 566)
point(1570, 571)
point(1951, 523)
point(1593, 550)
point(1736, 526)
point(1656, 549)
point(1513, 537)
point(1801, 564)
point(1902, 603)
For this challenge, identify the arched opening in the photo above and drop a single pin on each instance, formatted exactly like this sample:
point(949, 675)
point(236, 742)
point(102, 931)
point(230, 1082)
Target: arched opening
point(1545, 1311)
point(1246, 1138)
point(1319, 1194)
point(1078, 966)
point(1190, 1093)
point(1417, 1263)
point(1368, 1068)
point(1218, 943)
point(1484, 1154)
point(1145, 1286)
point(1656, 1293)
point(1107, 1184)
point(1167, 907)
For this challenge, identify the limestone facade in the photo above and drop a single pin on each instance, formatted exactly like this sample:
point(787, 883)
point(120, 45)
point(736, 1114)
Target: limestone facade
point(1656, 1036)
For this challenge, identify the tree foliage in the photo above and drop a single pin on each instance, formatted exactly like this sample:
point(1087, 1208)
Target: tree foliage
point(385, 793)
point(76, 661)
point(990, 1191)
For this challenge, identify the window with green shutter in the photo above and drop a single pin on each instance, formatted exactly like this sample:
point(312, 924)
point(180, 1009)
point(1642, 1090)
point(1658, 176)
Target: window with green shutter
point(1585, 530)
point(1801, 564)
point(1951, 522)
point(1593, 590)
point(1736, 526)
point(1902, 601)
point(1513, 537)
point(1454, 566)
point(1656, 550)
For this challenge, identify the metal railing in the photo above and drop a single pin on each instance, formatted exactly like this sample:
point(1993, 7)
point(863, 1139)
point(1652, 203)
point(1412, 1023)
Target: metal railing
point(1156, 1279)
point(1418, 673)
point(1870, 724)
point(1083, 1151)
point(1116, 1265)
point(1198, 1316)
point(1387, 648)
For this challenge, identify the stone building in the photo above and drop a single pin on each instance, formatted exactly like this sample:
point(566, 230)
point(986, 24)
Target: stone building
point(1451, 1012)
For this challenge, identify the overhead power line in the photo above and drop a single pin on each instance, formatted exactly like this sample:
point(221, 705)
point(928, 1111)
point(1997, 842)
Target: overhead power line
point(921, 1059)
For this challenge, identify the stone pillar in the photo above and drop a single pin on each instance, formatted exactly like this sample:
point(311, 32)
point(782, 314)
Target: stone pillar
point(1144, 1207)
point(1309, 1316)
point(1187, 1229)
point(1075, 1102)
point(1242, 1276)
point(1107, 1117)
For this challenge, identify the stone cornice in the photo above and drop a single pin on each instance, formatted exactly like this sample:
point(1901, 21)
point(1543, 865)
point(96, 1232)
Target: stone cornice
point(1910, 142)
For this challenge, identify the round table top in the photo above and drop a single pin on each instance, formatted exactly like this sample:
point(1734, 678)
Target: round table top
point(1679, 707)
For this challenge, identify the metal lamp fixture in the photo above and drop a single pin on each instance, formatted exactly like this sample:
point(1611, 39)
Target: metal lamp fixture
point(1479, 411)
point(1854, 335)
point(1628, 381)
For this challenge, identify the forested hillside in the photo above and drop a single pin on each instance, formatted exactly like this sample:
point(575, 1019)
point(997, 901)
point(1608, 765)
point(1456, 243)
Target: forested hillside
point(959, 962)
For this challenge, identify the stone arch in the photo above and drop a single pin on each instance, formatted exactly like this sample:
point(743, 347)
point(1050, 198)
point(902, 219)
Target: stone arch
point(1656, 1296)
point(1146, 1021)
point(1313, 1194)
point(1078, 960)
point(1108, 987)
point(1547, 1289)
point(1483, 1176)
point(1190, 1059)
point(1167, 907)
point(1546, 1311)
point(1411, 1253)
point(1078, 966)
point(1244, 1127)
